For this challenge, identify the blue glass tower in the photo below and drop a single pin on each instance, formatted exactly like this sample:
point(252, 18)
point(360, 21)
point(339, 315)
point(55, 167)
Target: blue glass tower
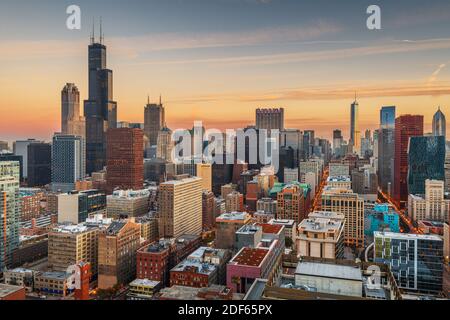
point(426, 157)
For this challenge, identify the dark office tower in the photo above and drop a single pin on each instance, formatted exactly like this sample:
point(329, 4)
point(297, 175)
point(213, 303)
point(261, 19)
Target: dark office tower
point(270, 119)
point(154, 120)
point(68, 162)
point(387, 117)
point(386, 149)
point(337, 141)
point(100, 110)
point(125, 159)
point(308, 143)
point(406, 126)
point(39, 164)
point(71, 120)
point(293, 138)
point(439, 124)
point(426, 160)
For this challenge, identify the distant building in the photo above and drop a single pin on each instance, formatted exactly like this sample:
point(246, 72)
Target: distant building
point(267, 205)
point(72, 123)
point(76, 207)
point(125, 159)
point(339, 169)
point(154, 119)
point(343, 182)
point(430, 206)
point(39, 164)
point(12, 293)
point(352, 206)
point(208, 212)
point(68, 162)
point(426, 159)
point(55, 284)
point(270, 119)
point(439, 124)
point(291, 203)
point(290, 175)
point(234, 202)
point(406, 126)
point(20, 148)
point(204, 171)
point(380, 217)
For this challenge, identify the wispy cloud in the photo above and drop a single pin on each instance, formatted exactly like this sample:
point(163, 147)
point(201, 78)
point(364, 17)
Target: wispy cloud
point(435, 74)
point(327, 93)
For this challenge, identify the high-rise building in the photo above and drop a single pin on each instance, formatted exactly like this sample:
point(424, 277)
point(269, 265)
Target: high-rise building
point(291, 203)
point(290, 175)
point(426, 160)
point(68, 161)
point(72, 123)
point(208, 212)
point(416, 261)
point(100, 110)
point(352, 206)
point(338, 140)
point(7, 156)
point(20, 148)
point(75, 207)
point(439, 124)
point(10, 211)
point(125, 159)
point(180, 207)
point(387, 117)
point(234, 202)
point(321, 235)
point(269, 119)
point(386, 155)
point(204, 171)
point(429, 206)
point(117, 247)
point(406, 126)
point(355, 134)
point(164, 144)
point(154, 120)
point(39, 164)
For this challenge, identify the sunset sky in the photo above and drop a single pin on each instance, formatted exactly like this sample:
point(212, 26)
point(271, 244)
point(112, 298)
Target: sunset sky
point(219, 60)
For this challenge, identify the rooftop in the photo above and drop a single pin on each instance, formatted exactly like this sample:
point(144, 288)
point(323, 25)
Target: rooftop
point(320, 225)
point(339, 179)
point(271, 228)
point(181, 181)
point(252, 257)
point(328, 270)
point(145, 283)
point(6, 290)
point(407, 236)
point(233, 216)
point(327, 215)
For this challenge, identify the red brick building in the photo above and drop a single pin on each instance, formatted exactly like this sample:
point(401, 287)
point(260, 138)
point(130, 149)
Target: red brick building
point(406, 126)
point(10, 293)
point(125, 159)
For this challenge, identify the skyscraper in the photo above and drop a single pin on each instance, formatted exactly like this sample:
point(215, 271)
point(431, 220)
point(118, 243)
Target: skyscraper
point(406, 126)
point(125, 159)
point(387, 117)
point(355, 134)
point(180, 207)
point(337, 141)
point(10, 211)
point(39, 164)
point(270, 119)
point(154, 120)
point(426, 158)
point(100, 110)
point(71, 120)
point(68, 161)
point(20, 148)
point(386, 149)
point(439, 124)
point(164, 144)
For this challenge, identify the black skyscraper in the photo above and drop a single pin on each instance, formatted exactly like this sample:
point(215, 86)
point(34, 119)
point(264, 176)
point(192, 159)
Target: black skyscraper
point(39, 164)
point(100, 110)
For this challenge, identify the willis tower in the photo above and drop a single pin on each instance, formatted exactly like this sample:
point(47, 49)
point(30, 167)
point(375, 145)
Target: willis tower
point(100, 110)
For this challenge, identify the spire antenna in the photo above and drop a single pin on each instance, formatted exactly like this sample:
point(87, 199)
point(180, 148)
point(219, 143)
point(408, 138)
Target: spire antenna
point(160, 100)
point(101, 31)
point(93, 31)
point(148, 99)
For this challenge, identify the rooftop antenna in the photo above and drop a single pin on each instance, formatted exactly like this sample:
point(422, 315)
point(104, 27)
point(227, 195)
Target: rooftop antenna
point(93, 31)
point(160, 100)
point(101, 31)
point(148, 99)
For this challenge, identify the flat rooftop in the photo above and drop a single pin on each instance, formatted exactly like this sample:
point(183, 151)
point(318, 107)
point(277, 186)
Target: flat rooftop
point(339, 179)
point(406, 236)
point(181, 181)
point(145, 283)
point(252, 257)
point(320, 225)
point(233, 216)
point(327, 215)
point(6, 290)
point(271, 228)
point(327, 270)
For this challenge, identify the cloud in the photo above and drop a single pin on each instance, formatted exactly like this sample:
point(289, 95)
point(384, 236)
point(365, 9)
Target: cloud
point(327, 93)
point(435, 74)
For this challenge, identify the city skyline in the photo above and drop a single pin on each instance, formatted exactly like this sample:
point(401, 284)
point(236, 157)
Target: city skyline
point(310, 64)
